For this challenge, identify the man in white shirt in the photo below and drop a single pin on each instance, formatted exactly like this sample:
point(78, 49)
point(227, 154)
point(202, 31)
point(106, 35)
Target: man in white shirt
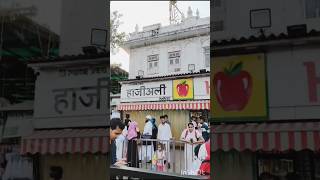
point(165, 134)
point(147, 149)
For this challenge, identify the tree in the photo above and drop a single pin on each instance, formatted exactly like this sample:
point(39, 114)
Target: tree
point(117, 74)
point(117, 38)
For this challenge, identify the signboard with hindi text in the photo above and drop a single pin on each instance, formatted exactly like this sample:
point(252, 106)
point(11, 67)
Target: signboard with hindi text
point(70, 93)
point(148, 91)
point(197, 88)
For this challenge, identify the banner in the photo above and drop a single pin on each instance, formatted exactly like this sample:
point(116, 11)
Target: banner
point(239, 88)
point(68, 92)
point(197, 88)
point(148, 91)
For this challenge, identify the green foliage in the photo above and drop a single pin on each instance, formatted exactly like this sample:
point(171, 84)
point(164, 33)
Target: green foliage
point(117, 37)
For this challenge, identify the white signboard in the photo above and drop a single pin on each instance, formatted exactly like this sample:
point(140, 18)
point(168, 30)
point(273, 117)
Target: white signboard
point(161, 90)
point(201, 88)
point(294, 84)
point(71, 92)
point(148, 91)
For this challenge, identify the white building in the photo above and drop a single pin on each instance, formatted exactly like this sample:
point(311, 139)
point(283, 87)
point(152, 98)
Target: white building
point(283, 36)
point(161, 59)
point(166, 50)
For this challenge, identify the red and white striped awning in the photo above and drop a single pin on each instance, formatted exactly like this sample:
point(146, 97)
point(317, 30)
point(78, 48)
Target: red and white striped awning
point(267, 137)
point(168, 105)
point(7, 148)
point(66, 141)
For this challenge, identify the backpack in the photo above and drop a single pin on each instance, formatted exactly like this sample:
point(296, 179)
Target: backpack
point(204, 167)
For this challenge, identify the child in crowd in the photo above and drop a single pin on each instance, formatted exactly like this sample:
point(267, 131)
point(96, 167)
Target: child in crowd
point(161, 157)
point(154, 162)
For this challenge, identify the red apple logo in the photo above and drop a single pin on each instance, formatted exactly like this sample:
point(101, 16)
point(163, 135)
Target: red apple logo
point(183, 89)
point(233, 88)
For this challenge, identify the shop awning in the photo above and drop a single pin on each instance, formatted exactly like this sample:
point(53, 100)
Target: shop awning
point(168, 105)
point(66, 141)
point(267, 137)
point(8, 148)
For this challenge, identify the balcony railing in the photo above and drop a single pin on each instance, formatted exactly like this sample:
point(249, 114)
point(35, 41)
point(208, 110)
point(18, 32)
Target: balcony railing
point(143, 36)
point(181, 158)
point(141, 174)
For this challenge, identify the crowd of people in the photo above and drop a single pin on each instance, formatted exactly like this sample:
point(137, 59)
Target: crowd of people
point(155, 142)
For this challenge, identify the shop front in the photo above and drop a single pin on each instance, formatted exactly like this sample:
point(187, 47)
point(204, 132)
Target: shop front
point(179, 112)
point(178, 97)
point(273, 126)
point(79, 153)
point(69, 136)
point(276, 148)
point(15, 123)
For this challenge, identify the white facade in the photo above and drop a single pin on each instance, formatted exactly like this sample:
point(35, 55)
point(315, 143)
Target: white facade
point(78, 18)
point(190, 40)
point(236, 17)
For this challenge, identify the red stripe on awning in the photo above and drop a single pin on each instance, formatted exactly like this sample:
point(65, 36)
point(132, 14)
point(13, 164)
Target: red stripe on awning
point(7, 148)
point(277, 142)
point(65, 141)
point(169, 105)
point(291, 140)
point(267, 137)
point(242, 141)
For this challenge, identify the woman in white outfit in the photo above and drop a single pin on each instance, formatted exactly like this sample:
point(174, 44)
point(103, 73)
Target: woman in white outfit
point(191, 137)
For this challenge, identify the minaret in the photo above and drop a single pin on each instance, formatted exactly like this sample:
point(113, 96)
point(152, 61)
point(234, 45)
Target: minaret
point(198, 14)
point(190, 13)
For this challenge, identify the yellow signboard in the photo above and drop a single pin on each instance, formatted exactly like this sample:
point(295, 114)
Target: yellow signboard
point(183, 89)
point(239, 88)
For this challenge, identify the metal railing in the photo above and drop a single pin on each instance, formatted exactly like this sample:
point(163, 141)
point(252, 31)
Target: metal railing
point(139, 153)
point(141, 174)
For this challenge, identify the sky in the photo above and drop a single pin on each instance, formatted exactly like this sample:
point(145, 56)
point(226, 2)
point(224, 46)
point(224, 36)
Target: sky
point(145, 13)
